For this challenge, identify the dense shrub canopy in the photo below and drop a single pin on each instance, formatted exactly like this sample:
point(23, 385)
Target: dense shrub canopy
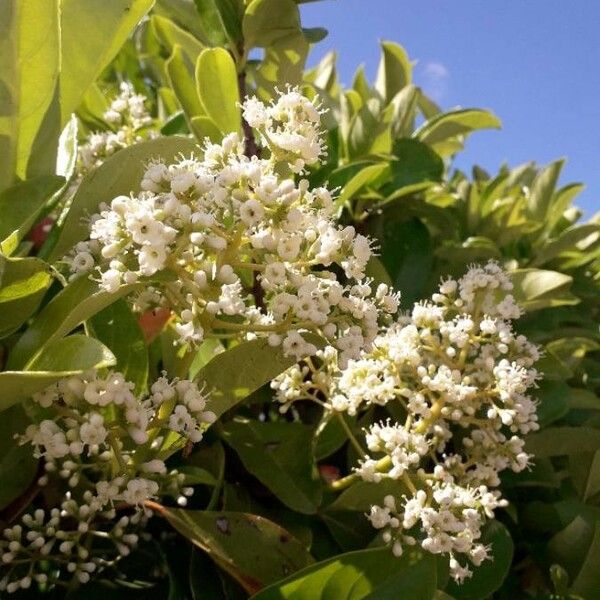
point(260, 338)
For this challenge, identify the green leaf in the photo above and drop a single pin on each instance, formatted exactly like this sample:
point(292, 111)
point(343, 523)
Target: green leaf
point(561, 441)
point(23, 283)
point(394, 72)
point(488, 577)
point(217, 87)
point(91, 35)
point(118, 329)
point(406, 252)
point(76, 303)
point(314, 35)
point(268, 21)
point(542, 189)
point(111, 179)
point(172, 36)
point(374, 574)
point(18, 467)
point(222, 20)
point(205, 127)
point(252, 549)
point(363, 494)
point(63, 358)
point(414, 163)
point(553, 399)
point(275, 453)
point(238, 372)
point(20, 206)
point(575, 239)
point(29, 67)
point(362, 179)
point(587, 582)
point(535, 289)
point(180, 71)
point(282, 64)
point(448, 125)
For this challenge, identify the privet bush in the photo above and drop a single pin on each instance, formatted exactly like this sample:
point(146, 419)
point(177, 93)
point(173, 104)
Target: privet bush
point(260, 339)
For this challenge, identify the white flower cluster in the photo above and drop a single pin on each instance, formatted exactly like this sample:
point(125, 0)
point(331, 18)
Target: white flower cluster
point(129, 117)
point(110, 447)
point(290, 127)
point(235, 248)
point(453, 366)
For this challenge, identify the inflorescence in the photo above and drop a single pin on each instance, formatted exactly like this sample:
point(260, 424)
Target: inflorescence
point(235, 247)
point(108, 445)
point(460, 375)
point(240, 246)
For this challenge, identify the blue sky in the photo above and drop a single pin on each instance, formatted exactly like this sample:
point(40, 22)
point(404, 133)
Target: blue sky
point(536, 63)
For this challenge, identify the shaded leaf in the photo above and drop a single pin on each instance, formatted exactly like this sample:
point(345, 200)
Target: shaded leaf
point(252, 549)
point(276, 454)
point(65, 357)
point(373, 574)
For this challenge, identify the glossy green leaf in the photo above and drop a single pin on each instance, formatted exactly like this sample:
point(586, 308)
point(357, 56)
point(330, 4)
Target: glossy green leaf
point(76, 303)
point(23, 283)
point(118, 329)
point(374, 574)
point(236, 373)
point(394, 72)
point(64, 357)
point(29, 70)
point(268, 21)
point(20, 206)
point(18, 467)
point(217, 87)
point(252, 549)
point(111, 180)
point(536, 288)
point(275, 453)
point(488, 577)
point(453, 123)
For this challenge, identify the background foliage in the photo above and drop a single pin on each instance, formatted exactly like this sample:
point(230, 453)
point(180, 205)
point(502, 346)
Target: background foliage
point(263, 523)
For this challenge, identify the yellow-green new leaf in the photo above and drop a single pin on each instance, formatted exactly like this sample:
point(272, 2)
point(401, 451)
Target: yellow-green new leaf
point(269, 21)
point(23, 283)
point(536, 288)
point(171, 35)
point(29, 67)
point(448, 125)
point(92, 33)
point(395, 70)
point(180, 71)
point(63, 358)
point(217, 86)
point(205, 127)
